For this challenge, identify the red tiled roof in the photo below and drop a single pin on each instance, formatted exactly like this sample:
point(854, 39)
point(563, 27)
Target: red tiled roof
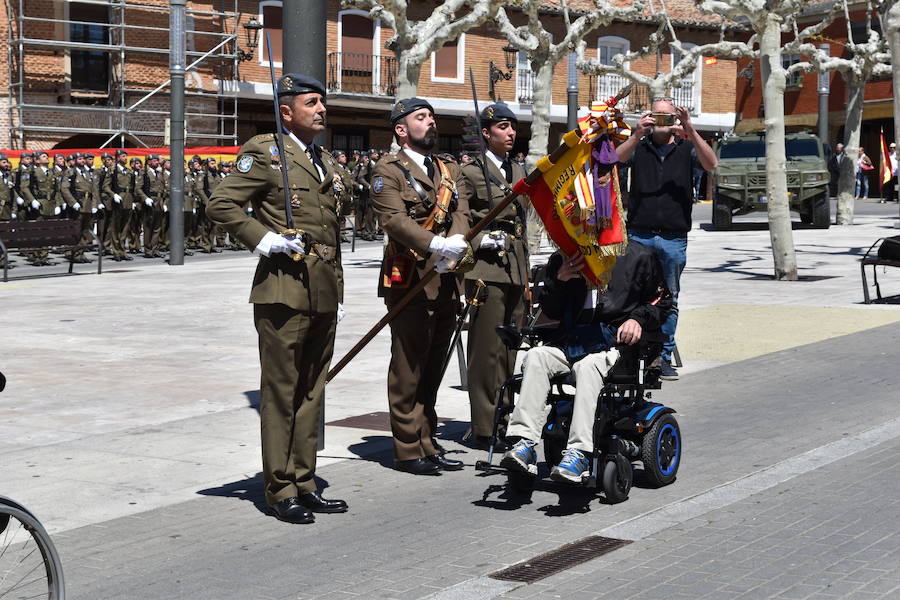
point(682, 12)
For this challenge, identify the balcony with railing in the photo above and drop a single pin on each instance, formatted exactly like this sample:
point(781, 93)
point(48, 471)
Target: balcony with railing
point(363, 74)
point(604, 87)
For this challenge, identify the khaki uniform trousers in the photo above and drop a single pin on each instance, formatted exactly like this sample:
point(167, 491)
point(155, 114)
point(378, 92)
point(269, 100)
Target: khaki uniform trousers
point(420, 340)
point(531, 411)
point(490, 363)
point(153, 224)
point(295, 350)
point(120, 228)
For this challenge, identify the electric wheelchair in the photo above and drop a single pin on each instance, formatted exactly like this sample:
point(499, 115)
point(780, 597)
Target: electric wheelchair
point(628, 427)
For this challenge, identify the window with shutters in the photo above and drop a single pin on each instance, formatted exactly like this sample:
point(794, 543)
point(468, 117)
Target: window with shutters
point(447, 63)
point(270, 17)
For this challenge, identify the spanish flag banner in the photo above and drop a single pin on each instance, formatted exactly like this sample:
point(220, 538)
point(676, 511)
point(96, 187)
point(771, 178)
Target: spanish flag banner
point(577, 197)
point(887, 164)
point(220, 153)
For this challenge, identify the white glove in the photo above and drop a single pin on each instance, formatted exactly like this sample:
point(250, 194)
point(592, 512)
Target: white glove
point(77, 206)
point(101, 206)
point(93, 210)
point(493, 242)
point(340, 311)
point(57, 210)
point(444, 265)
point(14, 216)
point(148, 202)
point(194, 211)
point(35, 205)
point(453, 247)
point(165, 208)
point(117, 198)
point(272, 243)
point(19, 200)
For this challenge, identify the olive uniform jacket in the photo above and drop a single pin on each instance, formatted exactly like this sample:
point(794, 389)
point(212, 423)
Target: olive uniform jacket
point(512, 267)
point(151, 184)
point(40, 186)
point(119, 182)
point(78, 187)
point(7, 195)
point(401, 214)
point(311, 284)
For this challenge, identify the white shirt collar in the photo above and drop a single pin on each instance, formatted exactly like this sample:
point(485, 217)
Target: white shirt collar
point(417, 158)
point(497, 160)
point(304, 146)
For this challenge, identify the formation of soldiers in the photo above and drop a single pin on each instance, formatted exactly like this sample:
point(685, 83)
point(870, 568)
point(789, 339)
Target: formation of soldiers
point(124, 202)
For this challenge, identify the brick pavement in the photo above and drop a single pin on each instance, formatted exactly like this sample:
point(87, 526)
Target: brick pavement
point(410, 537)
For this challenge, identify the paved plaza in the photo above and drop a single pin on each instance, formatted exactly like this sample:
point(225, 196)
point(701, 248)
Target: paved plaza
point(130, 427)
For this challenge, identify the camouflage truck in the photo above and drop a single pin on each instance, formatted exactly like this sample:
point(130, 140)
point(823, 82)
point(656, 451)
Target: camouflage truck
point(740, 179)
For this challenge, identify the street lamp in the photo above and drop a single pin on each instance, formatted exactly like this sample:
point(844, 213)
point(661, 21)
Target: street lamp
point(252, 29)
point(496, 73)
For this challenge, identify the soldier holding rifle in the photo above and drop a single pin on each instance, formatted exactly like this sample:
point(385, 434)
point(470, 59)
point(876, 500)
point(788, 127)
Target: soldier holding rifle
point(417, 203)
point(297, 290)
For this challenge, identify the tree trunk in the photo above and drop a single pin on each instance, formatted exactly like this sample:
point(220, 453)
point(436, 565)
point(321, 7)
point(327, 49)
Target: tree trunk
point(892, 33)
point(856, 89)
point(407, 76)
point(774, 78)
point(540, 135)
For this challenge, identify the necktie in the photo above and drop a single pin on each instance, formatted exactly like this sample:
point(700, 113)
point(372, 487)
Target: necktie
point(507, 170)
point(315, 160)
point(429, 167)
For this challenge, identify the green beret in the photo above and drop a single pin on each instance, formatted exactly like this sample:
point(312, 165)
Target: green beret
point(497, 113)
point(292, 84)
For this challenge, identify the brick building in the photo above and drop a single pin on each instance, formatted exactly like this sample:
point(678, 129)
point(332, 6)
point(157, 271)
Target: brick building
point(801, 98)
point(77, 69)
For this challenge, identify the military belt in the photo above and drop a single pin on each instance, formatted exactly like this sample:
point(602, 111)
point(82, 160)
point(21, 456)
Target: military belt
point(510, 227)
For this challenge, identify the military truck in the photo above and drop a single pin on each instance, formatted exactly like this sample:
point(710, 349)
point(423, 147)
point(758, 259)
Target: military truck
point(741, 179)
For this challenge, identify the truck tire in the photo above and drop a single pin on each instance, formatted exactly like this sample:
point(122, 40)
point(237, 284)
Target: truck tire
point(821, 212)
point(721, 214)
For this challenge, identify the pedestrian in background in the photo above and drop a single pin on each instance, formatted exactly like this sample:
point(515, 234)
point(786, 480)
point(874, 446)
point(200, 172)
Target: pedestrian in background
point(863, 166)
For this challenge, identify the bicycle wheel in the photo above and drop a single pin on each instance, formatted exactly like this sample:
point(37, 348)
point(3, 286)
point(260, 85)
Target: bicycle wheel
point(29, 564)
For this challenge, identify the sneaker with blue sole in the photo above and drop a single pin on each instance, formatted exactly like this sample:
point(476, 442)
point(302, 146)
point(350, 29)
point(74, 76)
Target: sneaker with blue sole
point(522, 457)
point(667, 372)
point(573, 468)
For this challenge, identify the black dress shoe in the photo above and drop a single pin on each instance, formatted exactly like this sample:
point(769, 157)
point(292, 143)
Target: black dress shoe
point(446, 464)
point(291, 511)
point(417, 466)
point(316, 503)
point(126, 257)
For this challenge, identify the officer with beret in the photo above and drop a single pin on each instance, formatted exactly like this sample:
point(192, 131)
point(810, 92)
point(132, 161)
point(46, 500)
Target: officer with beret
point(39, 191)
point(120, 202)
point(150, 191)
point(26, 161)
point(7, 191)
point(501, 264)
point(424, 219)
point(77, 185)
point(297, 291)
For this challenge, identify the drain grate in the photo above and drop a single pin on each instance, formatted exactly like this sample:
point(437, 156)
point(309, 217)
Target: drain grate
point(555, 561)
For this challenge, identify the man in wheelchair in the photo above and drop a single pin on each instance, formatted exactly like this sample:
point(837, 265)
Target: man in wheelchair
point(592, 323)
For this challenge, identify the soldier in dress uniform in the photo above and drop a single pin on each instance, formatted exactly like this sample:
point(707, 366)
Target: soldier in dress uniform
point(501, 264)
point(26, 160)
point(59, 168)
point(105, 205)
point(209, 179)
point(39, 190)
point(295, 302)
point(120, 199)
point(78, 188)
point(150, 191)
point(7, 190)
point(137, 208)
point(415, 198)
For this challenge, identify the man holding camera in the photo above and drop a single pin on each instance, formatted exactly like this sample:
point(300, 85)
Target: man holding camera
point(662, 152)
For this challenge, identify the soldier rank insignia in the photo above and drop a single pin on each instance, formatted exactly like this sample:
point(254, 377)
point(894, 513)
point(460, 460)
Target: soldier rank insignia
point(244, 164)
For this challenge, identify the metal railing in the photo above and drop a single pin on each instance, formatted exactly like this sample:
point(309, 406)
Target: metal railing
point(356, 73)
point(604, 87)
point(525, 86)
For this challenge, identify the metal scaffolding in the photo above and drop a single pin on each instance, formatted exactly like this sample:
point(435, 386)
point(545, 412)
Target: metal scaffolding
point(124, 109)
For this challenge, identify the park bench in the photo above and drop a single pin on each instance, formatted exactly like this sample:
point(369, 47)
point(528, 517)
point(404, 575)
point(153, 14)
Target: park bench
point(884, 258)
point(40, 235)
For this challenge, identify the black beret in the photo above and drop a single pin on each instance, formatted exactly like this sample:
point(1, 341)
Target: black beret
point(121, 152)
point(24, 154)
point(195, 157)
point(292, 84)
point(56, 155)
point(42, 153)
point(211, 159)
point(3, 156)
point(69, 157)
point(152, 156)
point(88, 155)
point(77, 155)
point(106, 155)
point(497, 113)
point(407, 106)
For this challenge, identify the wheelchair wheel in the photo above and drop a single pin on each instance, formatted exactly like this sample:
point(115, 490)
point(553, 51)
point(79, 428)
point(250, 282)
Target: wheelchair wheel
point(661, 451)
point(521, 483)
point(29, 564)
point(617, 479)
point(553, 449)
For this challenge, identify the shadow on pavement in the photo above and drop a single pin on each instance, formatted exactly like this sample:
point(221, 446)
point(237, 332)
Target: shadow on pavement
point(253, 399)
point(251, 490)
point(375, 448)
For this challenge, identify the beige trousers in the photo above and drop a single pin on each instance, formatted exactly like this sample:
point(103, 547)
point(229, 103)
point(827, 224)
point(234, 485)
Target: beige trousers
point(531, 411)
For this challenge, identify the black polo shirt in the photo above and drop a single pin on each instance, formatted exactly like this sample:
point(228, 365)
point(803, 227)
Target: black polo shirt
point(662, 197)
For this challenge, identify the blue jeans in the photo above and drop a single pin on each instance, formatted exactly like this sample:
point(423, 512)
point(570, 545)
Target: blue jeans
point(671, 250)
point(862, 184)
